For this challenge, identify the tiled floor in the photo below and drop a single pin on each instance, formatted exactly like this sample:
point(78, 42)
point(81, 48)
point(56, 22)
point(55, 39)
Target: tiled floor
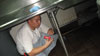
point(82, 42)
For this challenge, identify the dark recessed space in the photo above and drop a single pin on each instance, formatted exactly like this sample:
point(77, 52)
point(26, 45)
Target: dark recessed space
point(81, 42)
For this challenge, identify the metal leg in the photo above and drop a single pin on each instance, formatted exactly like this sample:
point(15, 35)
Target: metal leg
point(57, 27)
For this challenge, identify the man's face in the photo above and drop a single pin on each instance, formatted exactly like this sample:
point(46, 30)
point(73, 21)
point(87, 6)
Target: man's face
point(36, 21)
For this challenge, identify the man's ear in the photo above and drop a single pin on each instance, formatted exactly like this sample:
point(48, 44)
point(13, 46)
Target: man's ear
point(29, 21)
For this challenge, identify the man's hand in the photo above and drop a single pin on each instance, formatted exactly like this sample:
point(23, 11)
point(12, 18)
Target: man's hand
point(50, 31)
point(39, 49)
point(48, 42)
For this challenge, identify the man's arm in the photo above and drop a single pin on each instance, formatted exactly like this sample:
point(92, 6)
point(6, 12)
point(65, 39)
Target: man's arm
point(40, 49)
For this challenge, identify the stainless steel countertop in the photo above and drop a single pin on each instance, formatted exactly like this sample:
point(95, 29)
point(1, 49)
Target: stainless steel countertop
point(13, 12)
point(69, 3)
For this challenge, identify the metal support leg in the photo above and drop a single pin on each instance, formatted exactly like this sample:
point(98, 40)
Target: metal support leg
point(59, 33)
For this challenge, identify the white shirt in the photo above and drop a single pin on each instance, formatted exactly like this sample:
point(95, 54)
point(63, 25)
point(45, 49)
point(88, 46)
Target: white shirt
point(26, 37)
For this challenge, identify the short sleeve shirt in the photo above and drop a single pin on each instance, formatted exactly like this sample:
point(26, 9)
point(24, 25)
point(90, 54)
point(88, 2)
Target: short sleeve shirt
point(26, 37)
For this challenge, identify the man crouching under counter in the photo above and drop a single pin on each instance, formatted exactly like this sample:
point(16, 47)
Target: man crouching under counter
point(30, 38)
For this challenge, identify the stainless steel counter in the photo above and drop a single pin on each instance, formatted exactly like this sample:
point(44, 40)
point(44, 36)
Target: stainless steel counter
point(13, 12)
point(69, 3)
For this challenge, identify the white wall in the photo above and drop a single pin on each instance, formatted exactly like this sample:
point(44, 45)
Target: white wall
point(63, 16)
point(66, 16)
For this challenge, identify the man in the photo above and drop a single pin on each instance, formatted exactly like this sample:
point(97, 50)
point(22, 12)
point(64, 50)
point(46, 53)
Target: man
point(30, 38)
